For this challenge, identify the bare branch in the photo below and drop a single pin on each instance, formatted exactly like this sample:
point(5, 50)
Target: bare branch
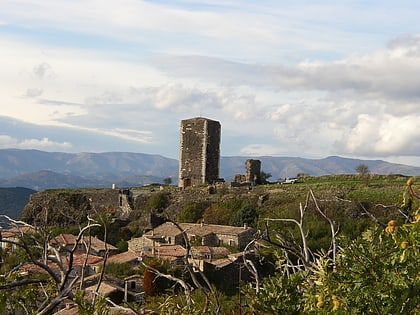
point(251, 267)
point(332, 225)
point(21, 283)
point(302, 254)
point(372, 216)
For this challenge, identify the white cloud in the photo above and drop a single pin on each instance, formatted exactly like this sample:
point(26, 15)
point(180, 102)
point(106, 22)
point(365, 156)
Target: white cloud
point(260, 150)
point(384, 136)
point(390, 73)
point(41, 144)
point(292, 77)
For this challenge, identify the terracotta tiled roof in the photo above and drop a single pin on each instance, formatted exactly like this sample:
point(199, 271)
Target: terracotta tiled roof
point(220, 263)
point(211, 251)
point(219, 251)
point(79, 259)
point(125, 257)
point(165, 251)
point(64, 240)
point(170, 229)
point(70, 240)
point(206, 229)
point(201, 249)
point(104, 289)
point(16, 231)
point(71, 310)
point(167, 229)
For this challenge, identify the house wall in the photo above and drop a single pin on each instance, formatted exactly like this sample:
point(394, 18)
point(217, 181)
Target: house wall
point(245, 237)
point(138, 243)
point(227, 239)
point(210, 240)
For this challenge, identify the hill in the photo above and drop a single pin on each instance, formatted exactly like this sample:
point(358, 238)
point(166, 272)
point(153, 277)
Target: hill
point(41, 170)
point(13, 200)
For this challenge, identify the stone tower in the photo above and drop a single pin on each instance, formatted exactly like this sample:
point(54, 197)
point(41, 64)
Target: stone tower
point(199, 151)
point(253, 171)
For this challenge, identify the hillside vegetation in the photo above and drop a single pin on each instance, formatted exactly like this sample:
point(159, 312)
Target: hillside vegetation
point(340, 244)
point(347, 199)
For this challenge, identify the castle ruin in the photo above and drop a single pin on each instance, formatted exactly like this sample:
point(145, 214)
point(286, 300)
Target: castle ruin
point(253, 171)
point(199, 151)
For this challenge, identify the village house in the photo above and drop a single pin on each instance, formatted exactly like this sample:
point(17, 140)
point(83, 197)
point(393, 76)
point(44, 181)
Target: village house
point(202, 254)
point(228, 272)
point(13, 235)
point(205, 234)
point(66, 242)
point(80, 264)
point(173, 253)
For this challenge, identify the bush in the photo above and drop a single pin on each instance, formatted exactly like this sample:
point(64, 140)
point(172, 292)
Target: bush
point(120, 270)
point(157, 202)
point(191, 213)
point(377, 273)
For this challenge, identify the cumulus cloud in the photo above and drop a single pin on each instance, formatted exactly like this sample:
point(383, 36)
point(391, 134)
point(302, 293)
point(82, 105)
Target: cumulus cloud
point(383, 135)
point(7, 141)
point(273, 77)
point(390, 73)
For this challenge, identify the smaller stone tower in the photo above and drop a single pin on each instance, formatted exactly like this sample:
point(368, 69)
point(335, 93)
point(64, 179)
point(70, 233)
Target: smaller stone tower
point(253, 171)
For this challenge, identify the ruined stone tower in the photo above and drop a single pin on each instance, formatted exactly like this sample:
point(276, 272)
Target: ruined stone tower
point(253, 171)
point(199, 151)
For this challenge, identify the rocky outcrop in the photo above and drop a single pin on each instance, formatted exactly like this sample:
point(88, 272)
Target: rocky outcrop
point(70, 206)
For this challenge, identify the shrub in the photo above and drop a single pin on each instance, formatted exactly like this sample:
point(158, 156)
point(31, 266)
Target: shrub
point(157, 202)
point(377, 273)
point(191, 213)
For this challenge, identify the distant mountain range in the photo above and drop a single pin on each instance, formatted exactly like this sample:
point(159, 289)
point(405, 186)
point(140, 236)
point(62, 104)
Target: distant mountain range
point(41, 170)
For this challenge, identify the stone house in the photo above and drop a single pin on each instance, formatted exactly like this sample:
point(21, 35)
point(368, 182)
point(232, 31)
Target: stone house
point(202, 254)
point(205, 234)
point(80, 264)
point(13, 234)
point(66, 242)
point(227, 273)
point(175, 254)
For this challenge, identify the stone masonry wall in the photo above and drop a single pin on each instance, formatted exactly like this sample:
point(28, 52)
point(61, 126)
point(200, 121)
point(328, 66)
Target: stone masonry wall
point(199, 151)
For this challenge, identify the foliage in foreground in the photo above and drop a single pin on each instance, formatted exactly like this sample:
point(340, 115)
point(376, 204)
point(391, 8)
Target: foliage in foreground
point(376, 273)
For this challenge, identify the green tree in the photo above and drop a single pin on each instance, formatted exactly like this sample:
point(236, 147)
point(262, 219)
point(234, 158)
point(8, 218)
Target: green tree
point(167, 181)
point(191, 213)
point(216, 214)
point(120, 270)
point(247, 215)
point(264, 177)
point(122, 246)
point(362, 169)
point(157, 202)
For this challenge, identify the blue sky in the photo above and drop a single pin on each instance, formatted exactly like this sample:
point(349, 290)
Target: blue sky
point(284, 78)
